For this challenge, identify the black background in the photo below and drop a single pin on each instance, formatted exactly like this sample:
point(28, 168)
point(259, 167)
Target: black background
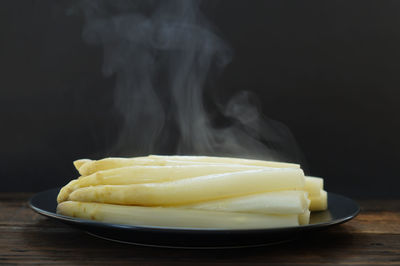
point(329, 70)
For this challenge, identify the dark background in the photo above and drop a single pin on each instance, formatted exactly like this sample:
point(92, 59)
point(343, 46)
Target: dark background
point(329, 70)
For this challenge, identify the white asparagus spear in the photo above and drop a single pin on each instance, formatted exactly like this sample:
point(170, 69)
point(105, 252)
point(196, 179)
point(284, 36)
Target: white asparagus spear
point(196, 189)
point(278, 202)
point(314, 185)
point(147, 174)
point(304, 218)
point(319, 203)
point(66, 190)
point(172, 217)
point(78, 163)
point(92, 166)
point(226, 160)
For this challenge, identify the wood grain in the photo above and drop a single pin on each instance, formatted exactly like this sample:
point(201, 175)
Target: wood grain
point(373, 238)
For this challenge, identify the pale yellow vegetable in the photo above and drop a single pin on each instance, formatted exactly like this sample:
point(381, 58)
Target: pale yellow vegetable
point(196, 189)
point(226, 160)
point(319, 203)
point(147, 174)
point(91, 167)
point(304, 218)
point(279, 202)
point(173, 217)
point(314, 185)
point(116, 163)
point(78, 163)
point(66, 190)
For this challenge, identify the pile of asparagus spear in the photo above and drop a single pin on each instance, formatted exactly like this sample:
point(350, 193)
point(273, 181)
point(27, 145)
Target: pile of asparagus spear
point(192, 192)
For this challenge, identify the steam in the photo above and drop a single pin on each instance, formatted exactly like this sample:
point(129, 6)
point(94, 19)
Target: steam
point(161, 54)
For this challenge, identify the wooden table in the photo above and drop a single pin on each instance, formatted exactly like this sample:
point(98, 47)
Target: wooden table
point(372, 238)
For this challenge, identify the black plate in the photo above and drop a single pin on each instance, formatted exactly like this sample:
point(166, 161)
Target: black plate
point(340, 210)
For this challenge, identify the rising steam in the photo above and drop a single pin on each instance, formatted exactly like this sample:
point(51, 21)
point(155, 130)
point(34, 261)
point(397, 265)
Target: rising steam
point(161, 53)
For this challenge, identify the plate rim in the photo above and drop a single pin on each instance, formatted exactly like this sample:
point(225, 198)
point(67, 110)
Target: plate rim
point(73, 220)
